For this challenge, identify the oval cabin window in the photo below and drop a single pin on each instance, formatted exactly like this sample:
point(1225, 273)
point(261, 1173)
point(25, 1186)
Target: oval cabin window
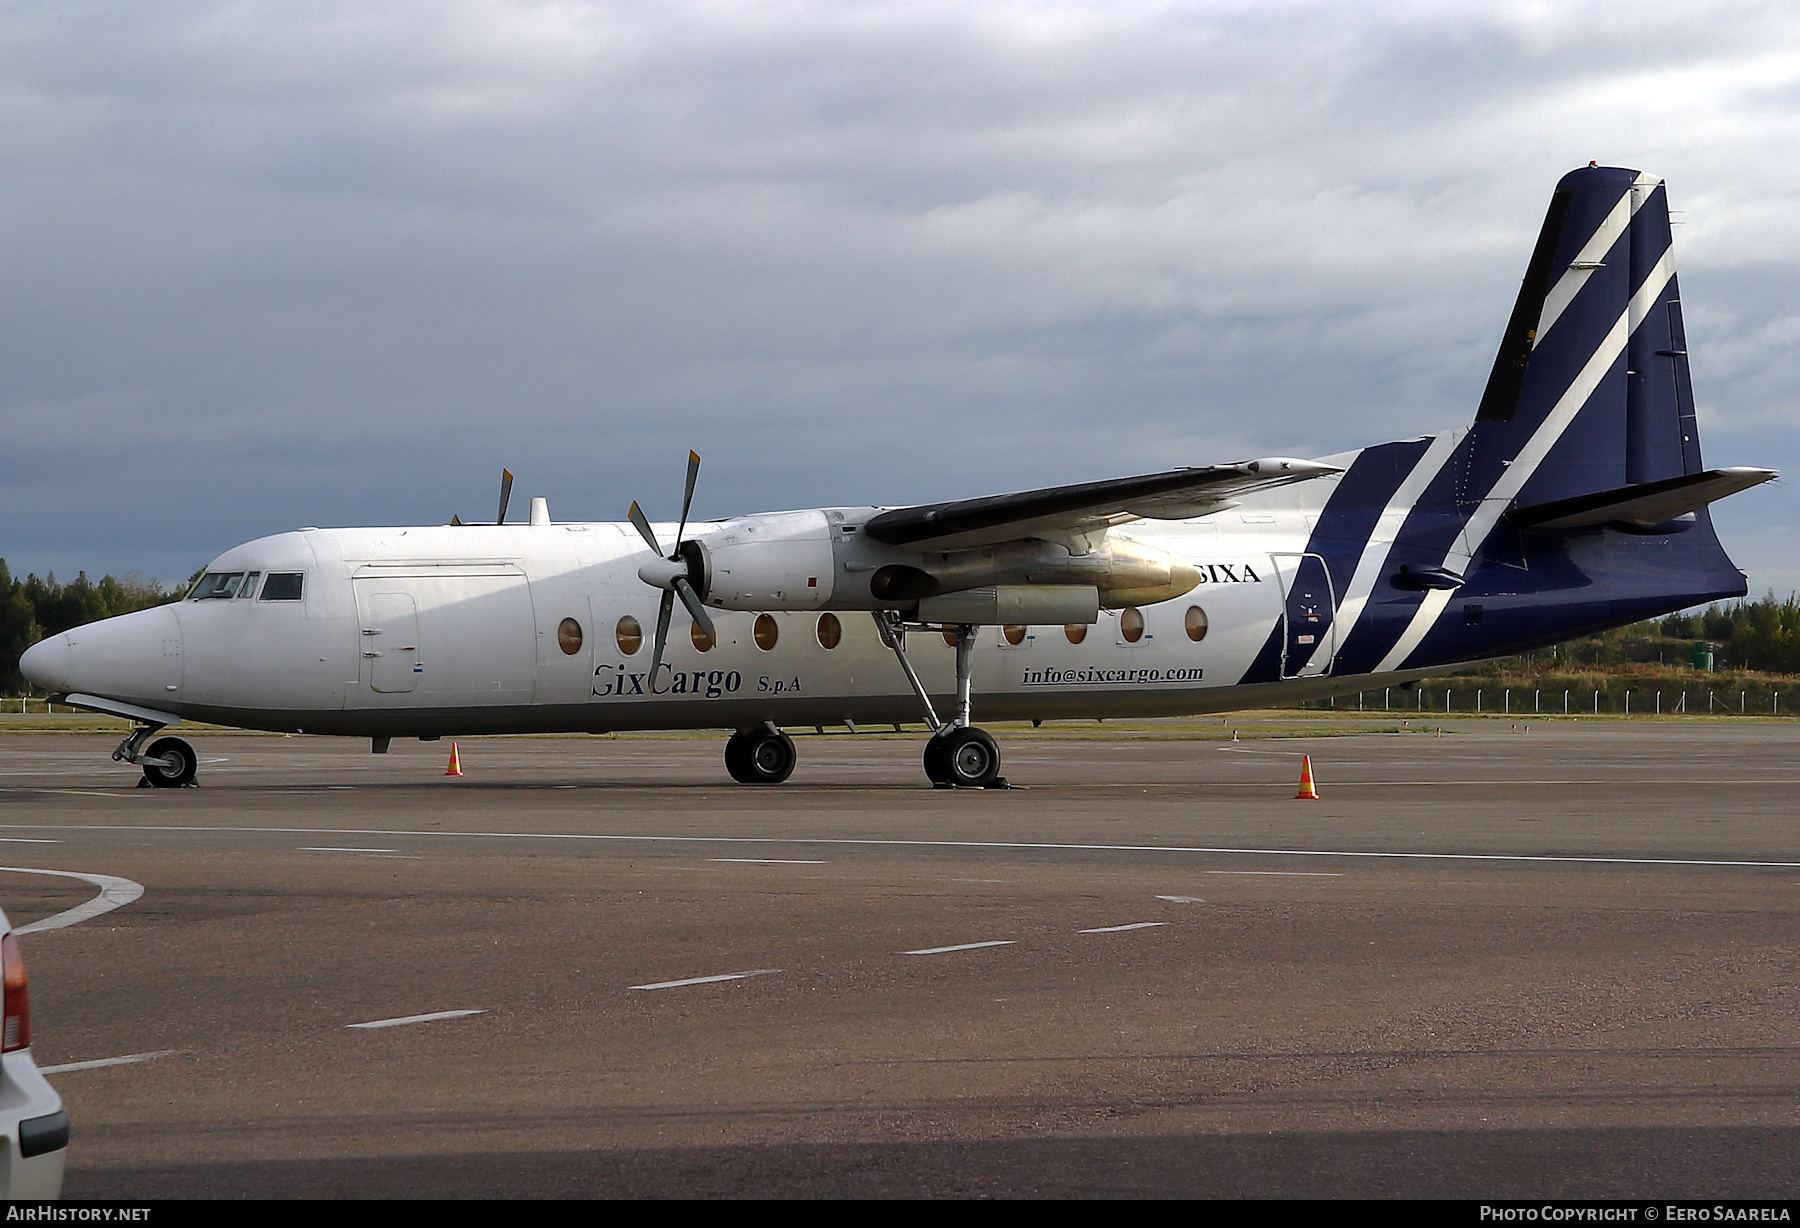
point(702, 641)
point(1131, 624)
point(1076, 632)
point(831, 631)
point(1195, 623)
point(767, 632)
point(568, 636)
point(1014, 634)
point(630, 635)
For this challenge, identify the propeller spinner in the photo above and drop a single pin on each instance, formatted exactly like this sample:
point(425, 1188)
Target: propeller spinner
point(673, 573)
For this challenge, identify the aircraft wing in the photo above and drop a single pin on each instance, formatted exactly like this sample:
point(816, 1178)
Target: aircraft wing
point(1175, 494)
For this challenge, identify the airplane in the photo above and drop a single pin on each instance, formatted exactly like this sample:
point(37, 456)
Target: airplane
point(1575, 501)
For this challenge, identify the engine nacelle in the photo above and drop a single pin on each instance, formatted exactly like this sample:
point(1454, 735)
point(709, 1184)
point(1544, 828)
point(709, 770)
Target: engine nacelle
point(775, 561)
point(1125, 572)
point(1015, 603)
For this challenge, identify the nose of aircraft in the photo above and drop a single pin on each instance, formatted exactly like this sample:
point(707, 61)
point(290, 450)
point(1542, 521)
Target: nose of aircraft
point(48, 664)
point(131, 657)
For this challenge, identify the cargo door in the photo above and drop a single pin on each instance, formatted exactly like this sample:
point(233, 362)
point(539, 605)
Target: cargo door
point(1309, 615)
point(390, 640)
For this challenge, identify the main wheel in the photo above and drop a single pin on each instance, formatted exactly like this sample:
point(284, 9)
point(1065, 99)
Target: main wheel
point(758, 757)
point(964, 757)
point(181, 759)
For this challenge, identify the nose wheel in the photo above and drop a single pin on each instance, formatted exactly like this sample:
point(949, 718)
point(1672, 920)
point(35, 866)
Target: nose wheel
point(169, 764)
point(763, 756)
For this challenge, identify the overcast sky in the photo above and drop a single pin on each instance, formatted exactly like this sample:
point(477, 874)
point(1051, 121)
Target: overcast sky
point(267, 265)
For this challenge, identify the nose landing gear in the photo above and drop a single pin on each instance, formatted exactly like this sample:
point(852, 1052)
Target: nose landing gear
point(170, 763)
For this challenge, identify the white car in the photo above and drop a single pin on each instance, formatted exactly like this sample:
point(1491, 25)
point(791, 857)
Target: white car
point(32, 1121)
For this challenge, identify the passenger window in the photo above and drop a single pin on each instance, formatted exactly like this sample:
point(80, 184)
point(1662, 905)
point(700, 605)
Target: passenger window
point(831, 631)
point(1076, 632)
point(1014, 633)
point(768, 631)
point(217, 584)
point(1196, 623)
point(249, 589)
point(702, 640)
point(1131, 624)
point(630, 635)
point(568, 636)
point(282, 586)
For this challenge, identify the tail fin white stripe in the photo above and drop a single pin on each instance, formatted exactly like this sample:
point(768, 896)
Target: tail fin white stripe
point(1586, 261)
point(1511, 481)
point(1652, 289)
point(1381, 542)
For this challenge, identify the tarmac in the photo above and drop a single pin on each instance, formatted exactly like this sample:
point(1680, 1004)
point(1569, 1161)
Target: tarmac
point(1555, 960)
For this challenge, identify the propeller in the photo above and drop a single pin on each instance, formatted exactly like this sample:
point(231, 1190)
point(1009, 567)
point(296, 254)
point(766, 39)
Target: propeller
point(505, 495)
point(671, 574)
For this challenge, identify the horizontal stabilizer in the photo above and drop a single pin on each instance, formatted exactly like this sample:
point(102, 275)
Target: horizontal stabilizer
point(1642, 506)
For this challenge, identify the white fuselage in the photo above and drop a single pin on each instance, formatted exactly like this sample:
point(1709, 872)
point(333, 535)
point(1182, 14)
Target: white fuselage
point(446, 630)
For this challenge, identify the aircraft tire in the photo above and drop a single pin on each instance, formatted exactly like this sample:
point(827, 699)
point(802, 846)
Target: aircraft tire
point(967, 758)
point(178, 752)
point(757, 757)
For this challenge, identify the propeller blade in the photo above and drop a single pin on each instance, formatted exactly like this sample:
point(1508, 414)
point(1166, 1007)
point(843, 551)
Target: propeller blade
point(637, 517)
point(687, 499)
point(505, 494)
point(662, 634)
point(692, 601)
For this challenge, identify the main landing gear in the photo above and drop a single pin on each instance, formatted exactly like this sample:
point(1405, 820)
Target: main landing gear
point(169, 763)
point(958, 754)
point(760, 756)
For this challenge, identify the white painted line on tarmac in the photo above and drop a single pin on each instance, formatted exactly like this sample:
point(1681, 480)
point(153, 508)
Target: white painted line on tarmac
point(860, 842)
point(114, 893)
point(767, 861)
point(706, 980)
point(26, 840)
point(1120, 929)
point(967, 946)
point(1182, 899)
point(327, 848)
point(404, 1019)
point(1283, 873)
point(127, 1060)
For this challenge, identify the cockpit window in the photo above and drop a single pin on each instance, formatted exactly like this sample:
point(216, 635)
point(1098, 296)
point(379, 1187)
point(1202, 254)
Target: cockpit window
point(282, 586)
point(217, 584)
point(249, 589)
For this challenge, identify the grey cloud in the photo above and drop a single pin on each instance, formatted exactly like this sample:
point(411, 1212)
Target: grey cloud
point(270, 265)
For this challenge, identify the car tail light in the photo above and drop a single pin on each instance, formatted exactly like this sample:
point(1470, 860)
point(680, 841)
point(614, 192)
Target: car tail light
point(16, 1033)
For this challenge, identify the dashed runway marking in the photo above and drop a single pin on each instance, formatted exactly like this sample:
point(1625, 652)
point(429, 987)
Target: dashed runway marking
point(327, 848)
point(768, 861)
point(404, 1019)
point(1119, 929)
point(1282, 873)
point(966, 946)
point(707, 980)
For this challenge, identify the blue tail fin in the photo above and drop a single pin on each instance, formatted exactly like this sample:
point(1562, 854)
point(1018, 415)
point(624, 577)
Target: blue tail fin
point(1593, 366)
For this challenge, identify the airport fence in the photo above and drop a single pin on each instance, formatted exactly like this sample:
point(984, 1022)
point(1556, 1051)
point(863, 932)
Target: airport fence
point(1580, 696)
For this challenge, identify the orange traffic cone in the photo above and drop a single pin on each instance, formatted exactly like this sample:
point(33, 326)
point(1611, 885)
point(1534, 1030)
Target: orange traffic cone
point(1308, 792)
point(455, 768)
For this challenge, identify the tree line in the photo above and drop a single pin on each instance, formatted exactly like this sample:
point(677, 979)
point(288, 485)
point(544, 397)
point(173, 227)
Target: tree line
point(33, 608)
